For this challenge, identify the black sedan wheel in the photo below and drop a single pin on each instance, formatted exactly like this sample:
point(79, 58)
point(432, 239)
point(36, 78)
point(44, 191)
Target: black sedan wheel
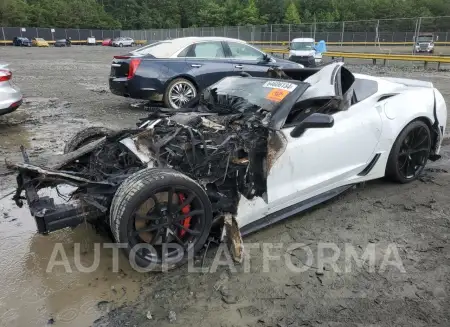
point(162, 216)
point(410, 153)
point(179, 92)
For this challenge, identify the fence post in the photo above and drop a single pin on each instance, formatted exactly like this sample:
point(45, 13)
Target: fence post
point(79, 35)
point(271, 34)
point(289, 33)
point(37, 32)
point(342, 36)
point(4, 39)
point(239, 36)
point(377, 36)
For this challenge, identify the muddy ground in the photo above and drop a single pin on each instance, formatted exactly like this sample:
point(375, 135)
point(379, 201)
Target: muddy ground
point(66, 90)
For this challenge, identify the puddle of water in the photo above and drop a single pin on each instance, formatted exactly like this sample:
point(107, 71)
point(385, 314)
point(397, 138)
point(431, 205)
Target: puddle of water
point(34, 291)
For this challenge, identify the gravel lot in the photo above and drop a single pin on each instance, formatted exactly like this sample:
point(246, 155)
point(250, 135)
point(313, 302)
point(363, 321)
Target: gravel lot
point(66, 90)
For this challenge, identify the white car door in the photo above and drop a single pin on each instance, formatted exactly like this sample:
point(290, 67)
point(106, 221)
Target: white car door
point(322, 159)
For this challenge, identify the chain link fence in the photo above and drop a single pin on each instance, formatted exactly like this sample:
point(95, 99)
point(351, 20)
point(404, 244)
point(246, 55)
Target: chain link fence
point(347, 33)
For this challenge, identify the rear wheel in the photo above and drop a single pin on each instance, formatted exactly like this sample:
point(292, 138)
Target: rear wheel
point(86, 136)
point(120, 45)
point(410, 153)
point(162, 216)
point(179, 92)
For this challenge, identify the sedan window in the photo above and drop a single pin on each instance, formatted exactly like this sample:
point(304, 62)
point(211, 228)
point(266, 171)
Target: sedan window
point(243, 51)
point(206, 50)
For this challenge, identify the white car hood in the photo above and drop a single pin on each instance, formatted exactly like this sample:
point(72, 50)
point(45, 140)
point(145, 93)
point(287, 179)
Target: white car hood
point(302, 52)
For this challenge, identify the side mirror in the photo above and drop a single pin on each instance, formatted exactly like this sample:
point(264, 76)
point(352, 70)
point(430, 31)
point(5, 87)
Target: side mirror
point(313, 121)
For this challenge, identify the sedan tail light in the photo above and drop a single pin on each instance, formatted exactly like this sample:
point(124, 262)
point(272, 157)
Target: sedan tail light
point(134, 64)
point(5, 75)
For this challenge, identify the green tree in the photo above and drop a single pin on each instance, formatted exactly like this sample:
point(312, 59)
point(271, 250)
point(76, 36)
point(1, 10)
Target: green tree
point(292, 16)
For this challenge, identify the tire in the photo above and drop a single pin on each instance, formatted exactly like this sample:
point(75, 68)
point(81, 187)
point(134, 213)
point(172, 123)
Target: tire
point(121, 45)
point(178, 81)
point(394, 168)
point(133, 44)
point(85, 136)
point(138, 190)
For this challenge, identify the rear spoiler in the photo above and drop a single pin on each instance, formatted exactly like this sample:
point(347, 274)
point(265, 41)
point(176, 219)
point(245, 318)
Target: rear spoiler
point(409, 82)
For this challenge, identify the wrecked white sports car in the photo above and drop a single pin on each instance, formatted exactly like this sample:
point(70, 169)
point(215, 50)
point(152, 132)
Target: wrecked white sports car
point(247, 152)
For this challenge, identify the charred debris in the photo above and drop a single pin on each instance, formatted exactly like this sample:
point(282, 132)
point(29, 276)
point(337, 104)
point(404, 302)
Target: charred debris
point(220, 142)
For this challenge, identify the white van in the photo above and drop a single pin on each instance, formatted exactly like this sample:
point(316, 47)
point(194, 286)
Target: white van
point(304, 51)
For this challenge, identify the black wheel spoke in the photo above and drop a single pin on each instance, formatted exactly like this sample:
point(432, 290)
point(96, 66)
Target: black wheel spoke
point(147, 229)
point(420, 142)
point(156, 237)
point(186, 202)
point(145, 217)
point(187, 230)
point(189, 214)
point(175, 236)
point(164, 236)
point(419, 150)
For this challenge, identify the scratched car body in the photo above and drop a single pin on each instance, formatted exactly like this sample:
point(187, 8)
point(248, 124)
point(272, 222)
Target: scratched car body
point(245, 153)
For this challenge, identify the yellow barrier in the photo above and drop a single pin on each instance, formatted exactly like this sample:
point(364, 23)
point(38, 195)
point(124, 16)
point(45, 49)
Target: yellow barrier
point(376, 56)
point(286, 43)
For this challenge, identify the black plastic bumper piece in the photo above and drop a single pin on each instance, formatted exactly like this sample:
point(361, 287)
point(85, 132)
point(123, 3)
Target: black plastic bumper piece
point(50, 217)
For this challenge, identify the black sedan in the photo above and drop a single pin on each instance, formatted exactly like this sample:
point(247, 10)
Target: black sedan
point(19, 41)
point(175, 71)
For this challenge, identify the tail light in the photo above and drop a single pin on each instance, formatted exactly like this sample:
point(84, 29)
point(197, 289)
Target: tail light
point(133, 66)
point(5, 75)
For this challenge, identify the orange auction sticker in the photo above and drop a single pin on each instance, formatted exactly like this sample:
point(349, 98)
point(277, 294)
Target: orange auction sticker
point(277, 95)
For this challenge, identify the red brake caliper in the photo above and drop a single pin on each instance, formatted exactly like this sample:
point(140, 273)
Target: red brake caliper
point(185, 210)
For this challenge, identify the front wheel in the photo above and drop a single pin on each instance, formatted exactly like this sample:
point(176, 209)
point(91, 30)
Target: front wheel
point(179, 92)
point(121, 45)
point(162, 216)
point(409, 153)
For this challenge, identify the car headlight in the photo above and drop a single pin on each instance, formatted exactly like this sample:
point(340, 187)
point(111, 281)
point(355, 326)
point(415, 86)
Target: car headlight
point(300, 66)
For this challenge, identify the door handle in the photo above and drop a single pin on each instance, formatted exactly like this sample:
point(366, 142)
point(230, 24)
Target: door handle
point(238, 66)
point(196, 65)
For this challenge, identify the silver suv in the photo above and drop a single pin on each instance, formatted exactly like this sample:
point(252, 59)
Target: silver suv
point(10, 95)
point(123, 42)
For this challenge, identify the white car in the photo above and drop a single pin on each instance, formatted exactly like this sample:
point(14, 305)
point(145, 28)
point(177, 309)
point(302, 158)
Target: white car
point(250, 151)
point(123, 42)
point(10, 95)
point(304, 51)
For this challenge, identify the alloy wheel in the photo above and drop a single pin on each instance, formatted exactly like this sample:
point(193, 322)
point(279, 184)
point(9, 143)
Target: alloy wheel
point(414, 152)
point(181, 93)
point(172, 215)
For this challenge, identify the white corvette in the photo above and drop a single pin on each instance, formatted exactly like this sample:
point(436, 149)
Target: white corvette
point(247, 152)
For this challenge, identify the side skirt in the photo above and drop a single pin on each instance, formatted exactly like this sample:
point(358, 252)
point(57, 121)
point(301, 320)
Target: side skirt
point(292, 210)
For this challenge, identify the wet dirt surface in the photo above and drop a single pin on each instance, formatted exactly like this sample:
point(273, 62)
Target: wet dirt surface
point(66, 90)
